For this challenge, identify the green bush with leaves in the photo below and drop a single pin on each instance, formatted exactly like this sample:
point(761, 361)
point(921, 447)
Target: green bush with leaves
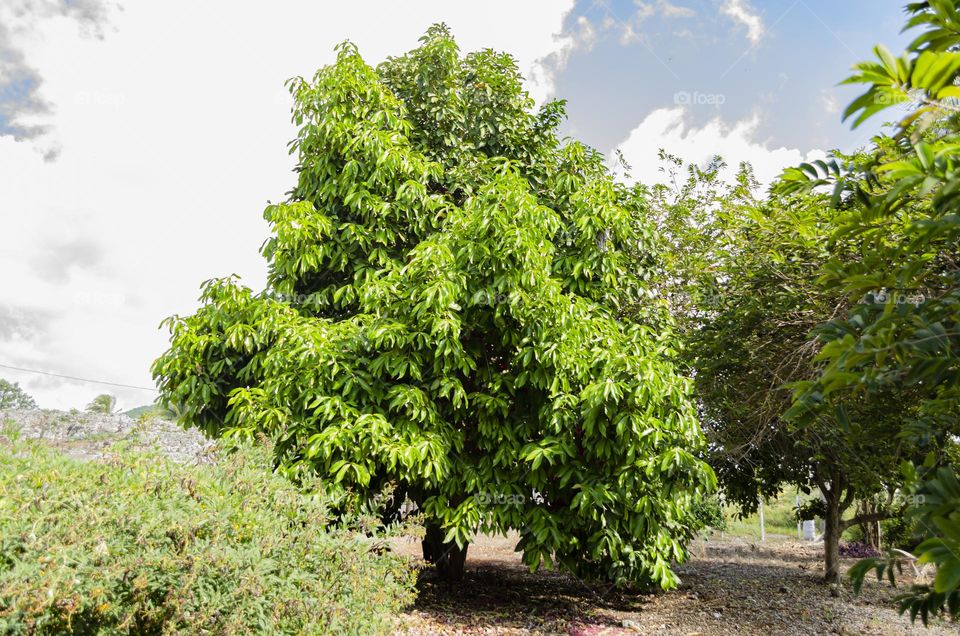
point(457, 306)
point(138, 544)
point(709, 513)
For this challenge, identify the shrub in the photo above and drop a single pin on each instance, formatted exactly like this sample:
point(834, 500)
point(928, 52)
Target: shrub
point(138, 544)
point(708, 511)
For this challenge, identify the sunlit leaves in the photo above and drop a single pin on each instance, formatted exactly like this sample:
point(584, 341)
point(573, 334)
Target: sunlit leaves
point(446, 312)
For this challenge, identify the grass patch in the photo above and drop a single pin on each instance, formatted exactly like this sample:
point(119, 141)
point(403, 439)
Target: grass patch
point(778, 515)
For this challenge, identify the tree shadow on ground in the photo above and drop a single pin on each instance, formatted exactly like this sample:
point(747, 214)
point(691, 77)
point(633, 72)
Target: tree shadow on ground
point(511, 597)
point(732, 588)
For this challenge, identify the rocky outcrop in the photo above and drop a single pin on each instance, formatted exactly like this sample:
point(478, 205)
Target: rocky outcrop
point(89, 435)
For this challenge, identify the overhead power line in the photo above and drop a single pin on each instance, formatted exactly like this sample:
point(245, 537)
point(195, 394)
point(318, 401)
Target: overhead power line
point(70, 377)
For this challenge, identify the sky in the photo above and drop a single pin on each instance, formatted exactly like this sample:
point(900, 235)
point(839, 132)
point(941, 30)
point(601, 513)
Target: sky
point(141, 140)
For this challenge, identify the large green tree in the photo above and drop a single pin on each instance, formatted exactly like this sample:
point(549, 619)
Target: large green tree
point(742, 276)
point(457, 308)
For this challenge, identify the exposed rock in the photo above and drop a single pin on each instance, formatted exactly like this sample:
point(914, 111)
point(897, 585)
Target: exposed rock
point(90, 435)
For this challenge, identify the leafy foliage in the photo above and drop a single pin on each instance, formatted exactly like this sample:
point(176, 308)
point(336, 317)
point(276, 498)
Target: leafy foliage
point(908, 230)
point(709, 513)
point(743, 282)
point(939, 510)
point(906, 222)
point(14, 397)
point(457, 306)
point(138, 544)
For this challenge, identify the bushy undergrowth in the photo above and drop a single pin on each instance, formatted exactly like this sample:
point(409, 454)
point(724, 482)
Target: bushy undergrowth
point(138, 544)
point(708, 512)
point(903, 532)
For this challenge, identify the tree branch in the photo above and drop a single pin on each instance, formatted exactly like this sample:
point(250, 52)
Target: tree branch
point(868, 518)
point(847, 500)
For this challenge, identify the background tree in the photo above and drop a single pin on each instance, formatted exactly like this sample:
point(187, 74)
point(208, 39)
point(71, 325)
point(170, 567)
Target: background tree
point(908, 230)
point(446, 315)
point(14, 397)
point(743, 282)
point(103, 404)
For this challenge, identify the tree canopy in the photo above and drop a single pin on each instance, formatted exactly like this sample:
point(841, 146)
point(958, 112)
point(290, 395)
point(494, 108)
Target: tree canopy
point(12, 396)
point(460, 307)
point(742, 275)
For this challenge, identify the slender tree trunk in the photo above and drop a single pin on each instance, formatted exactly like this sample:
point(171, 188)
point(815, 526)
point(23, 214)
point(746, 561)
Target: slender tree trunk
point(831, 538)
point(448, 558)
point(838, 498)
point(871, 529)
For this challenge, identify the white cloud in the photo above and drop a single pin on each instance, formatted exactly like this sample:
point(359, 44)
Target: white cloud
point(669, 10)
point(581, 38)
point(630, 29)
point(829, 101)
point(664, 8)
point(24, 113)
point(668, 128)
point(174, 131)
point(628, 34)
point(644, 10)
point(741, 11)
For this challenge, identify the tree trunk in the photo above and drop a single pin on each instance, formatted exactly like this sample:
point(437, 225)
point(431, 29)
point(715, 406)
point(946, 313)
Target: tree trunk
point(831, 538)
point(838, 497)
point(870, 528)
point(447, 558)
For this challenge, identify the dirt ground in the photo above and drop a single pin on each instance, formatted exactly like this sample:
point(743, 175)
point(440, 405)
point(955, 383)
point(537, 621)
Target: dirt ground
point(730, 586)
